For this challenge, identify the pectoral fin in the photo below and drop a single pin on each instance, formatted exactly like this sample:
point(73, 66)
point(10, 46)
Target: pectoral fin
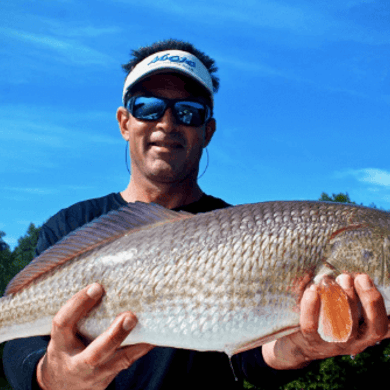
point(335, 322)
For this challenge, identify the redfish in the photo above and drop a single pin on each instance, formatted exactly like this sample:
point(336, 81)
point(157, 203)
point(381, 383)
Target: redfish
point(227, 280)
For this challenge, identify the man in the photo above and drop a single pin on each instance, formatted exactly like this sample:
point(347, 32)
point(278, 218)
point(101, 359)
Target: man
point(167, 119)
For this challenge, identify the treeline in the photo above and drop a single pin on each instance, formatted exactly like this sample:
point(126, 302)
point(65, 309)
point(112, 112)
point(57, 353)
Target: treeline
point(343, 372)
point(11, 262)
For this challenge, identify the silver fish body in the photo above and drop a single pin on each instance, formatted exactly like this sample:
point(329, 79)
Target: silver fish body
point(216, 281)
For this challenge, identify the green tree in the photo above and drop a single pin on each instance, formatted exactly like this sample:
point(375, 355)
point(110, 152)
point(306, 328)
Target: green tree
point(5, 276)
point(3, 245)
point(6, 267)
point(24, 252)
point(342, 198)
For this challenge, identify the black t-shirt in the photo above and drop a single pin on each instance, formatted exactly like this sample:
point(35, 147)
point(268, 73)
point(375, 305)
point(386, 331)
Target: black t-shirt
point(163, 367)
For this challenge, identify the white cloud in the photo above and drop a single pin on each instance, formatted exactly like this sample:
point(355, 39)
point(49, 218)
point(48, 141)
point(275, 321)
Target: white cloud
point(255, 67)
point(45, 190)
point(368, 175)
point(71, 50)
point(76, 29)
point(11, 241)
point(37, 125)
point(261, 68)
point(354, 3)
point(31, 140)
point(311, 20)
point(375, 176)
point(46, 134)
point(260, 14)
point(33, 191)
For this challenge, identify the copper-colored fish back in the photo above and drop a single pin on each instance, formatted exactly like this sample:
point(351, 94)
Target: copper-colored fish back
point(128, 219)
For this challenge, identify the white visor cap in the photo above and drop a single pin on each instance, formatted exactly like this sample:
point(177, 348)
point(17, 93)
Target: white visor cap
point(174, 60)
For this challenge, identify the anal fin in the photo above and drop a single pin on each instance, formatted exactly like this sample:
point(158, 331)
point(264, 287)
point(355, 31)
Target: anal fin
point(335, 322)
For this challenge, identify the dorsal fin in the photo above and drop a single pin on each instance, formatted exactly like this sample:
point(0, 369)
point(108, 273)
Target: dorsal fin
point(108, 227)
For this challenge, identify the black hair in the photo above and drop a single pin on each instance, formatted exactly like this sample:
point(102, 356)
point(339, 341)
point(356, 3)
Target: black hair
point(172, 44)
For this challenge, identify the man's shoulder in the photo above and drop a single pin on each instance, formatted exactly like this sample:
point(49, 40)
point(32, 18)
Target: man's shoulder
point(89, 209)
point(75, 216)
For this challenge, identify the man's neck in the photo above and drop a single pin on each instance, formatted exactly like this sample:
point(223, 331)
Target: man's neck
point(167, 195)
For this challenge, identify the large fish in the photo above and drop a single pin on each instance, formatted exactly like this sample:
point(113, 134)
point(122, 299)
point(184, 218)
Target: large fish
point(227, 280)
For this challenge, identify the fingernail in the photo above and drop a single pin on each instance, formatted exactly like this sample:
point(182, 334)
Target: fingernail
point(365, 283)
point(345, 281)
point(95, 291)
point(128, 323)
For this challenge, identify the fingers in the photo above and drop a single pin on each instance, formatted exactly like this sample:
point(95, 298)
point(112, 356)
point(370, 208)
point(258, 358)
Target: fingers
point(373, 310)
point(365, 302)
point(64, 322)
point(105, 352)
point(104, 346)
point(346, 282)
point(310, 309)
point(68, 363)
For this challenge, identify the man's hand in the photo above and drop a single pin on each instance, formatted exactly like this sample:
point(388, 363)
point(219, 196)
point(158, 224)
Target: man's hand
point(296, 350)
point(69, 364)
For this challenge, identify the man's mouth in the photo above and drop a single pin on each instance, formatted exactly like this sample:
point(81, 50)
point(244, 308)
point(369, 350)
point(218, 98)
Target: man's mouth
point(167, 144)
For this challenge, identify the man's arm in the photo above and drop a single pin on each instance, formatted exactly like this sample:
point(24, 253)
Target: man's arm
point(20, 358)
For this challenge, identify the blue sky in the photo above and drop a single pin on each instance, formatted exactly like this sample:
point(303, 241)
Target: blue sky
point(303, 107)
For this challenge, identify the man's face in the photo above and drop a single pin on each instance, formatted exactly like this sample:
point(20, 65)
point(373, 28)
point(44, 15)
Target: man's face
point(164, 150)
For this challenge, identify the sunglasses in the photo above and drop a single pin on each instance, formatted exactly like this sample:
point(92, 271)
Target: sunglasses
point(186, 112)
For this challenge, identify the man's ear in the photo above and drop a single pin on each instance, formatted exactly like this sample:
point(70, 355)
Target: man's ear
point(209, 131)
point(123, 116)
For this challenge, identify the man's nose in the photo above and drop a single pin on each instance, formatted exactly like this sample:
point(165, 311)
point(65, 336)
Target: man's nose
point(168, 121)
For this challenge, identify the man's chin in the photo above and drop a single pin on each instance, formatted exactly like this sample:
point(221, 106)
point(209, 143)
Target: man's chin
point(171, 175)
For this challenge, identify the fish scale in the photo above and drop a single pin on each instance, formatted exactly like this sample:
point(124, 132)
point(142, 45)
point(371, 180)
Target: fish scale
point(227, 280)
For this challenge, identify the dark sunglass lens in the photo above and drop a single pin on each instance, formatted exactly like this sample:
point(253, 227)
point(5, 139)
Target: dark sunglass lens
point(190, 113)
point(148, 108)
